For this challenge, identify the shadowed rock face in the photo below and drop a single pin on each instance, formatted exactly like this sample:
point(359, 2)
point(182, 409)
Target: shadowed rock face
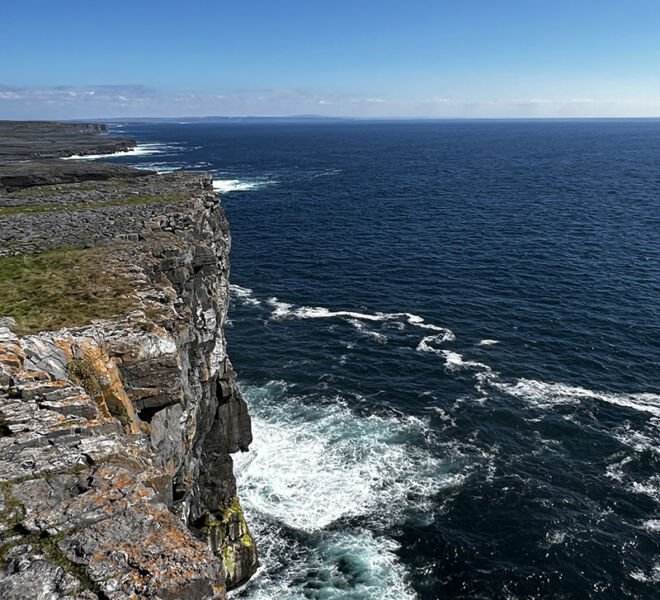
point(19, 175)
point(116, 434)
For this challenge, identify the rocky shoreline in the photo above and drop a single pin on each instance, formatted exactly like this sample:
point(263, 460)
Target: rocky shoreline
point(119, 409)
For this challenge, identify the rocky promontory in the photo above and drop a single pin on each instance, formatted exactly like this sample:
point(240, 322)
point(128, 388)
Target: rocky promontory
point(119, 409)
point(29, 140)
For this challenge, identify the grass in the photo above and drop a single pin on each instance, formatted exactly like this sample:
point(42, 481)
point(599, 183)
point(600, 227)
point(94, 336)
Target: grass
point(64, 287)
point(6, 211)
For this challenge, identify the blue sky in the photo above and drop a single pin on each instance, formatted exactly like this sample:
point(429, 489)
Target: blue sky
point(458, 58)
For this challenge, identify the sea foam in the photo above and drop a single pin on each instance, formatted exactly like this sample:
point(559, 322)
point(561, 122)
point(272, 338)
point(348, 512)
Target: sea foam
point(546, 395)
point(284, 310)
point(312, 465)
point(244, 295)
point(224, 186)
point(139, 150)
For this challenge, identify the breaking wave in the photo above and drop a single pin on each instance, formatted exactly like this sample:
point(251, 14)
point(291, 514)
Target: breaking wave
point(427, 343)
point(314, 465)
point(244, 295)
point(547, 395)
point(139, 150)
point(284, 310)
point(224, 186)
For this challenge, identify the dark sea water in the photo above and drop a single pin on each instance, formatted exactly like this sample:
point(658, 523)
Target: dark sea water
point(449, 337)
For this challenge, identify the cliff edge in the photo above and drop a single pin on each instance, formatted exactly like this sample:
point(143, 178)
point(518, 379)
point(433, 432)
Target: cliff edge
point(119, 409)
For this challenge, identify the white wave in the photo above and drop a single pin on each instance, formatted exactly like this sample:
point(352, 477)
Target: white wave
point(139, 150)
point(285, 310)
point(555, 537)
point(538, 393)
point(313, 465)
point(425, 345)
point(282, 309)
point(653, 576)
point(340, 566)
point(159, 168)
point(169, 167)
point(546, 395)
point(652, 525)
point(374, 335)
point(224, 186)
point(645, 440)
point(289, 311)
point(360, 326)
point(243, 294)
point(454, 361)
point(615, 471)
point(650, 487)
point(418, 321)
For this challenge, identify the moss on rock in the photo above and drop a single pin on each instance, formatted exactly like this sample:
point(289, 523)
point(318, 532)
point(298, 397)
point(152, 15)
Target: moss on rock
point(229, 537)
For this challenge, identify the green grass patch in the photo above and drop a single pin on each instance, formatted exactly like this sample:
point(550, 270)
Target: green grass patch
point(6, 211)
point(64, 287)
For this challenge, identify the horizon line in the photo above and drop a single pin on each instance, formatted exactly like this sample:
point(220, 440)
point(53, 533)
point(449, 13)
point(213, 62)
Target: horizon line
point(350, 118)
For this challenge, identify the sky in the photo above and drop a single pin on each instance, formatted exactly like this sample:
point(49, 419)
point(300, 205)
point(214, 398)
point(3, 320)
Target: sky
point(70, 59)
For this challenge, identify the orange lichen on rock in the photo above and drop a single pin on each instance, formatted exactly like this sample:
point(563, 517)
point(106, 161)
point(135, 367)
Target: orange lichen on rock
point(116, 432)
point(11, 356)
point(111, 389)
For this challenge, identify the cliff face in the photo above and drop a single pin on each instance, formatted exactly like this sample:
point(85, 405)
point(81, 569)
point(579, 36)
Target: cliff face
point(29, 149)
point(116, 431)
point(22, 140)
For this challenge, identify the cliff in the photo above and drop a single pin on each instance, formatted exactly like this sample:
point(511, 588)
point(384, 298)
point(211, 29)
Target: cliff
point(119, 408)
point(23, 140)
point(28, 150)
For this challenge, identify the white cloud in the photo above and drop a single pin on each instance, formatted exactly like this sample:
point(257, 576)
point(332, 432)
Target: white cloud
point(62, 102)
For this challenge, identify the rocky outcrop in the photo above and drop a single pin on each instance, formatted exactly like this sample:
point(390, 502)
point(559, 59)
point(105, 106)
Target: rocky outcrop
point(116, 433)
point(28, 150)
point(20, 175)
point(29, 140)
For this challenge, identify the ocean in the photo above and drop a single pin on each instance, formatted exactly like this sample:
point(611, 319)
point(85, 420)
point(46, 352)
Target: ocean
point(448, 334)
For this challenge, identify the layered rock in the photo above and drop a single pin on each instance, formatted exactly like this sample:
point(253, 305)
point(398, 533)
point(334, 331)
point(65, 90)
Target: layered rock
point(29, 140)
point(116, 433)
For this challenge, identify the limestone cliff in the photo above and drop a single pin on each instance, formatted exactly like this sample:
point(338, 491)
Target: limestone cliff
point(119, 408)
point(23, 140)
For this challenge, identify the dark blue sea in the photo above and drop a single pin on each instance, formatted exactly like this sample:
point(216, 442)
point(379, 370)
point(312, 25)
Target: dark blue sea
point(448, 334)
